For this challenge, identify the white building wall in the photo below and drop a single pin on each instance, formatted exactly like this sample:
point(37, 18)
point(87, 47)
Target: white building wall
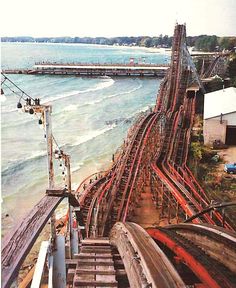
point(230, 118)
point(213, 130)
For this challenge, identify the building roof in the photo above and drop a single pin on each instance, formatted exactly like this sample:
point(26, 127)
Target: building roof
point(219, 102)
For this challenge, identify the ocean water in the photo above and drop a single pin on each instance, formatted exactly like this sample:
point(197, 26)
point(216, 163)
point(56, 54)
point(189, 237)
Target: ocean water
point(84, 117)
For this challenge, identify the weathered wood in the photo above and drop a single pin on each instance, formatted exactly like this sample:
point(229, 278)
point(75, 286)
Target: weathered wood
point(92, 256)
point(94, 263)
point(149, 263)
point(18, 242)
point(94, 283)
point(94, 272)
point(95, 241)
point(27, 280)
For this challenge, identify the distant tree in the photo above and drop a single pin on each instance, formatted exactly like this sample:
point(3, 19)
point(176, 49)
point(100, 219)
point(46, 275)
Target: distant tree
point(232, 70)
point(154, 42)
point(202, 42)
point(146, 42)
point(160, 40)
point(206, 43)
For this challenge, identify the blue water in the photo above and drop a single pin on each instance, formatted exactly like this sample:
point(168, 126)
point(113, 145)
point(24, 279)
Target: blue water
point(83, 109)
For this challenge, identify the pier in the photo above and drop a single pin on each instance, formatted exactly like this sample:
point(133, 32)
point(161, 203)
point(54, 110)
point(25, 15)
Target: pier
point(91, 69)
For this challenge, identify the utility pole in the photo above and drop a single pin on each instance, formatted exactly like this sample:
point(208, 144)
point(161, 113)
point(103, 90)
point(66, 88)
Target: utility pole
point(48, 134)
point(45, 119)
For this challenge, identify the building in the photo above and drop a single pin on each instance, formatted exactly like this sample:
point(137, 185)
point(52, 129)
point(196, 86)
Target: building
point(220, 116)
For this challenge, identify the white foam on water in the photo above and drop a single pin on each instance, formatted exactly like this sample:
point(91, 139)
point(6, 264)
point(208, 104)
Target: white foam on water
point(76, 168)
point(69, 108)
point(92, 134)
point(107, 82)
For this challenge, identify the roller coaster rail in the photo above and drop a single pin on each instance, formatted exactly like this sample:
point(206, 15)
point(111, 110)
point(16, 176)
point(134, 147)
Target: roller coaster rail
point(102, 246)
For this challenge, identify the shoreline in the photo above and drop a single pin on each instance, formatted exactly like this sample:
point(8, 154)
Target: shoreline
point(150, 49)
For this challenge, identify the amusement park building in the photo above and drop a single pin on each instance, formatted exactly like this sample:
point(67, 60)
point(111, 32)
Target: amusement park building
point(220, 117)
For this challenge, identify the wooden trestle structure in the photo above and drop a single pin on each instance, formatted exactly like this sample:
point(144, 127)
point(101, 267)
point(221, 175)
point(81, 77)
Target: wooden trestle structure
point(105, 249)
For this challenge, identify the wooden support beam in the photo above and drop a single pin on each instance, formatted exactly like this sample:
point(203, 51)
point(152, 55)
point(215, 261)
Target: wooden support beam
point(28, 278)
point(17, 244)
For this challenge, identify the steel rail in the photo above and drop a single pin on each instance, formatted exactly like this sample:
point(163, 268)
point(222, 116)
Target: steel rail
point(209, 70)
point(86, 194)
point(170, 168)
point(211, 208)
point(206, 270)
point(134, 166)
point(174, 191)
point(115, 188)
point(150, 267)
point(95, 203)
point(184, 204)
point(214, 232)
point(90, 177)
point(138, 165)
point(175, 87)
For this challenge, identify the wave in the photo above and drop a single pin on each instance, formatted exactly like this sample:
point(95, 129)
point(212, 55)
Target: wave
point(137, 113)
point(144, 109)
point(74, 107)
point(8, 109)
point(20, 164)
point(17, 165)
point(3, 98)
point(91, 135)
point(69, 108)
point(111, 96)
point(128, 119)
point(76, 168)
point(107, 82)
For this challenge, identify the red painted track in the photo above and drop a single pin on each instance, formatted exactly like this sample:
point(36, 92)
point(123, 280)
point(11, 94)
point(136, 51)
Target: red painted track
point(206, 266)
point(157, 148)
point(176, 105)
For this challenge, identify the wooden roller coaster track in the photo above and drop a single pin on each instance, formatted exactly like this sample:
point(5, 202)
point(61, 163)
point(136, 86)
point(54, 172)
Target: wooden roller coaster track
point(111, 254)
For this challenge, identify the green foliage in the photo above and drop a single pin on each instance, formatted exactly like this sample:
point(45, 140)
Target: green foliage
point(228, 43)
point(202, 42)
point(206, 43)
point(196, 150)
point(232, 66)
point(232, 69)
point(233, 82)
point(146, 42)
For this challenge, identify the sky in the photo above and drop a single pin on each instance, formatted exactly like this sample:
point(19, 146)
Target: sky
point(111, 18)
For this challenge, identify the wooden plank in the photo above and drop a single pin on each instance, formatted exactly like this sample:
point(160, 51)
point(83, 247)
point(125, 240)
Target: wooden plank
point(18, 242)
point(95, 241)
point(90, 250)
point(92, 256)
point(89, 246)
point(94, 263)
point(28, 278)
point(71, 262)
point(99, 283)
point(95, 272)
point(117, 272)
